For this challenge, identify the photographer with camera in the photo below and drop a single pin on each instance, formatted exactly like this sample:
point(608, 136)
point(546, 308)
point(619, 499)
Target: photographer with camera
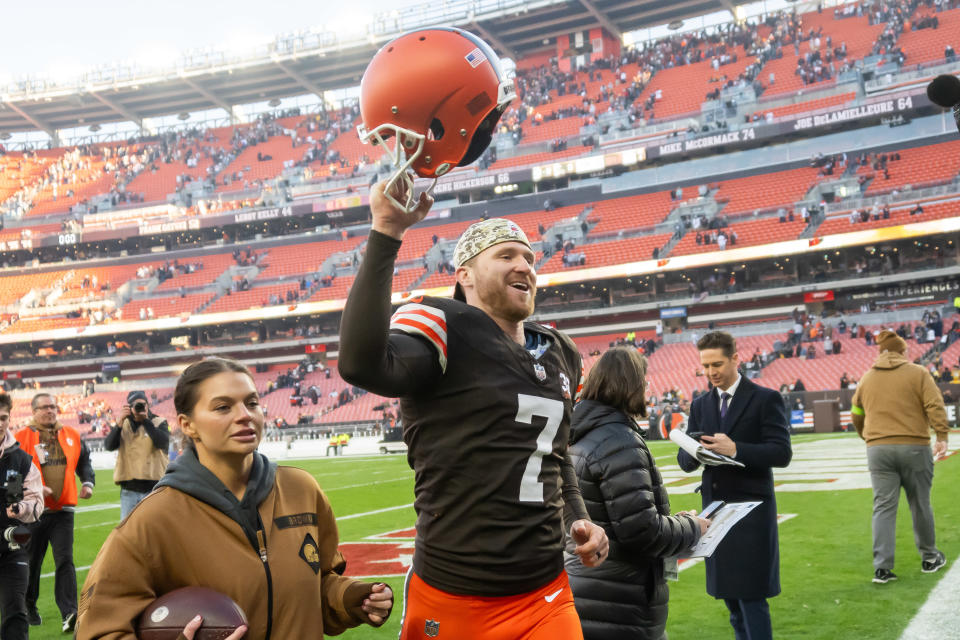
point(141, 440)
point(60, 455)
point(21, 502)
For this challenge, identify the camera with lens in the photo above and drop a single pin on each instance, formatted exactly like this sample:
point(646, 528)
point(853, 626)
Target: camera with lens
point(14, 535)
point(139, 407)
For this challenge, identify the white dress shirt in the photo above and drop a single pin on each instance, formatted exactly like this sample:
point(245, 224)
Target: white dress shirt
point(732, 389)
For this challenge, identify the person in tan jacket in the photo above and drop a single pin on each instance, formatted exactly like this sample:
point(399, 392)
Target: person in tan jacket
point(141, 441)
point(226, 518)
point(894, 407)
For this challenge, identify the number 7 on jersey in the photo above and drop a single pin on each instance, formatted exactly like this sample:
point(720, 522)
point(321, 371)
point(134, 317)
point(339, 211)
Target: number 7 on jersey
point(531, 489)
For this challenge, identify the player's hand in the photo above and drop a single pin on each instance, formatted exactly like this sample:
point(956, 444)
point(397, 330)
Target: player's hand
point(193, 625)
point(378, 604)
point(86, 492)
point(124, 413)
point(719, 443)
point(591, 540)
point(390, 219)
point(47, 491)
point(368, 602)
point(940, 450)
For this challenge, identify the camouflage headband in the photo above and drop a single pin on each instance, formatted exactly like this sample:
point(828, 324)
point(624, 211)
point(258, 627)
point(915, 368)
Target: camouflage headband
point(482, 235)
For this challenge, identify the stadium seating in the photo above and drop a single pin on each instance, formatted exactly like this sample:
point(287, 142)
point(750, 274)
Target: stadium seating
point(255, 297)
point(108, 279)
point(766, 191)
point(600, 254)
point(418, 240)
point(46, 323)
point(899, 215)
point(159, 180)
point(336, 291)
point(14, 287)
point(824, 372)
point(918, 166)
point(166, 307)
point(857, 32)
point(211, 267)
point(634, 212)
point(302, 259)
point(925, 45)
point(279, 149)
point(551, 129)
point(684, 88)
point(763, 231)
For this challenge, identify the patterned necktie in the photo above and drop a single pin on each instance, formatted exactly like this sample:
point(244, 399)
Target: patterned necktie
point(724, 399)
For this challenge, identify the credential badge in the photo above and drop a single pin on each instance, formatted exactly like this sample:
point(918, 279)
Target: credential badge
point(540, 371)
point(432, 628)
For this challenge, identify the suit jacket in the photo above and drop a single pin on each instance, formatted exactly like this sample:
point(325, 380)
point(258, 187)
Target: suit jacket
point(746, 565)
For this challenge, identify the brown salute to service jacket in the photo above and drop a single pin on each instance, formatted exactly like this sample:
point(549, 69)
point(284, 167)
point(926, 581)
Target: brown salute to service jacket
point(173, 539)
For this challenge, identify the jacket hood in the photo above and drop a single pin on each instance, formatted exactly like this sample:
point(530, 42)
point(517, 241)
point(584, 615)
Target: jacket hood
point(890, 360)
point(186, 474)
point(36, 427)
point(590, 414)
point(8, 444)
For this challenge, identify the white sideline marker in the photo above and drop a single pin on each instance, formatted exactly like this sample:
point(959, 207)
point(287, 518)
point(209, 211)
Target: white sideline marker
point(936, 619)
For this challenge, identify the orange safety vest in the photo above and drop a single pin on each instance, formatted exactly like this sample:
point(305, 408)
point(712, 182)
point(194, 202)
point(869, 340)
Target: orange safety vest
point(70, 443)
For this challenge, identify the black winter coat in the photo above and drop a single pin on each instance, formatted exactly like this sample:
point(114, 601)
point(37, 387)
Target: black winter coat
point(757, 422)
point(626, 596)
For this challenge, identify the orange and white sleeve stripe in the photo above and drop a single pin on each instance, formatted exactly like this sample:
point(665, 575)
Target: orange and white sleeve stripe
point(422, 320)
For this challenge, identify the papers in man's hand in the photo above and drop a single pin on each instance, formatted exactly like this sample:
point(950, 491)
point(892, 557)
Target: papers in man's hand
point(699, 452)
point(721, 522)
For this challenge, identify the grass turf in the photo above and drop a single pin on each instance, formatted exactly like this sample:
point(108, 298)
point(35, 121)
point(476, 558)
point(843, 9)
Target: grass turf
point(825, 551)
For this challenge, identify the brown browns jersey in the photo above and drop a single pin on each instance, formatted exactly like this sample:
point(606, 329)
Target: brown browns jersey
point(487, 443)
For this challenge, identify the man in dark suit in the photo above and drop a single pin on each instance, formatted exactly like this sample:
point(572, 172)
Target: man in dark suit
point(748, 423)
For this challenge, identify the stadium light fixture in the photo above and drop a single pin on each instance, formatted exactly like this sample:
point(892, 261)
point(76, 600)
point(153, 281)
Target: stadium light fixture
point(675, 25)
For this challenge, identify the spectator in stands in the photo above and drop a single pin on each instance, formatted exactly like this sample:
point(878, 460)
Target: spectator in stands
point(141, 440)
point(799, 386)
point(626, 596)
point(60, 453)
point(894, 407)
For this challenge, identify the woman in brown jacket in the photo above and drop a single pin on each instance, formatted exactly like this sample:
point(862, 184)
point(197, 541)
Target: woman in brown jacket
point(226, 518)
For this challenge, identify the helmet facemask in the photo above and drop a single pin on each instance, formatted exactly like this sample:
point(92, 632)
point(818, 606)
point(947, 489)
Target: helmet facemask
point(407, 147)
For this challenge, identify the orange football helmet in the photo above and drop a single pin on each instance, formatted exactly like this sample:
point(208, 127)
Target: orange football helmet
point(439, 93)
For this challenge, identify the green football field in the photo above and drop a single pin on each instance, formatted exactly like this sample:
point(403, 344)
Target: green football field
point(825, 551)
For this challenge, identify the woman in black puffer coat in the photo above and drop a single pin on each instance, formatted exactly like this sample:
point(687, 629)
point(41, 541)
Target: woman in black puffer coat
point(626, 596)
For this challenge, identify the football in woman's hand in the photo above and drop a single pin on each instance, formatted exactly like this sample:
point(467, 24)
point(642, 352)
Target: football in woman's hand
point(166, 616)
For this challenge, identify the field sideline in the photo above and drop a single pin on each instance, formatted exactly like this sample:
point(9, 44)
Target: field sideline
point(825, 550)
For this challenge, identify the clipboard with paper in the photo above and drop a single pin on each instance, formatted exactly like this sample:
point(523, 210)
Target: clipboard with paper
point(723, 517)
point(700, 453)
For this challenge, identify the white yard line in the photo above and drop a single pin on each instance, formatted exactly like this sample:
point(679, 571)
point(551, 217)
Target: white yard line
point(374, 512)
point(937, 618)
point(367, 484)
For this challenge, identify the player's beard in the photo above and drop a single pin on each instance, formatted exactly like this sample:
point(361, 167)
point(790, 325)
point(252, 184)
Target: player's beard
point(495, 294)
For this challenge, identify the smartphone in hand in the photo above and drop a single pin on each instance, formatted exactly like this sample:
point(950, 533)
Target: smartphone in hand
point(712, 509)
